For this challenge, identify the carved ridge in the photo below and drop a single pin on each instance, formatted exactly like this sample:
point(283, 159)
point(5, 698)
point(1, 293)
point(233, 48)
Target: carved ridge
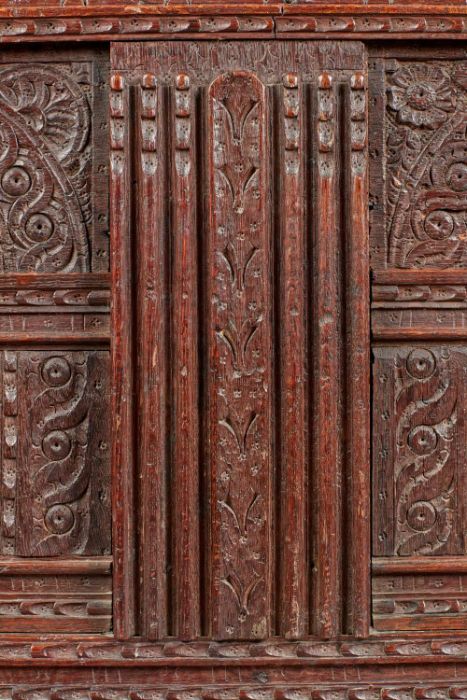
point(269, 652)
point(365, 24)
point(358, 123)
point(363, 691)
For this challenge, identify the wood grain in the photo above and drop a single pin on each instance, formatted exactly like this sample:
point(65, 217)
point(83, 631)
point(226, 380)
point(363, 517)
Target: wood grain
point(152, 309)
point(252, 450)
point(218, 145)
point(123, 450)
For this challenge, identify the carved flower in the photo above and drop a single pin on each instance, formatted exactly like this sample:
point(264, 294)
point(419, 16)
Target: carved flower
point(421, 95)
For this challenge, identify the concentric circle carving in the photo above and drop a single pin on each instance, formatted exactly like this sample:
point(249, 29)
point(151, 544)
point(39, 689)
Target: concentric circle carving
point(422, 440)
point(421, 363)
point(39, 228)
point(421, 516)
point(56, 371)
point(457, 177)
point(59, 519)
point(56, 445)
point(16, 181)
point(439, 225)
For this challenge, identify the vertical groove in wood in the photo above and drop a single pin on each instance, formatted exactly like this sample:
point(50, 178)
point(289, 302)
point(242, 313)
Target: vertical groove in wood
point(185, 370)
point(203, 331)
point(240, 357)
point(152, 335)
point(123, 535)
point(358, 365)
point(293, 599)
point(326, 491)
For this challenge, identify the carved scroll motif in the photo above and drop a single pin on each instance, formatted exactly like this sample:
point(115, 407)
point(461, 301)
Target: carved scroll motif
point(44, 170)
point(240, 354)
point(425, 459)
point(426, 143)
point(62, 444)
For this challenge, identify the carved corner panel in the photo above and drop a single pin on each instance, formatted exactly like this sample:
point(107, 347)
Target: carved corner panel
point(53, 163)
point(240, 155)
point(419, 163)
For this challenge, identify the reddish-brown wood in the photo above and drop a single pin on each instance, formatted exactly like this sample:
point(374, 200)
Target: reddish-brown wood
point(242, 371)
point(236, 371)
point(184, 366)
point(357, 464)
point(123, 366)
point(152, 312)
point(293, 319)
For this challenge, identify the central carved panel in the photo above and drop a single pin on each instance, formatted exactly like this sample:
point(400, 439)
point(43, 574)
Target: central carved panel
point(245, 171)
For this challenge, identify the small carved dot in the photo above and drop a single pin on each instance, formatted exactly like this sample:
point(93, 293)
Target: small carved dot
point(422, 440)
point(421, 516)
point(457, 177)
point(421, 363)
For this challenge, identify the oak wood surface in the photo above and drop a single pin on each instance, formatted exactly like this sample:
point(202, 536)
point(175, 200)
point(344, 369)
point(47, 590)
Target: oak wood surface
point(241, 562)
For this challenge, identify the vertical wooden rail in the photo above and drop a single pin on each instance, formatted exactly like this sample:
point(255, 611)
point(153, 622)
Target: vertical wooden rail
point(123, 457)
point(152, 342)
point(185, 372)
point(293, 603)
point(326, 485)
point(358, 365)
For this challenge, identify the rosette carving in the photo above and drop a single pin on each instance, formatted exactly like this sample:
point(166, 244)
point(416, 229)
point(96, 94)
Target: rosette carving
point(427, 164)
point(44, 174)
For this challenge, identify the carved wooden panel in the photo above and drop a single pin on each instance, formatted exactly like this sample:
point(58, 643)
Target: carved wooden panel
point(420, 145)
point(53, 129)
point(240, 350)
point(55, 489)
point(62, 451)
point(243, 153)
point(418, 443)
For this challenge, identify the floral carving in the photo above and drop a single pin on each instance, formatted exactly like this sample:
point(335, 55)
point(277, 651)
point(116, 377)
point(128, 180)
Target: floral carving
point(44, 171)
point(240, 360)
point(421, 95)
point(427, 166)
